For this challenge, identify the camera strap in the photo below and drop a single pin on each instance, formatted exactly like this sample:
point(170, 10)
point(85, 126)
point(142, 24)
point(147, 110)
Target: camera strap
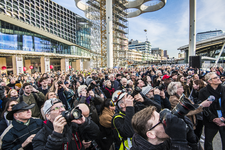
point(76, 139)
point(219, 112)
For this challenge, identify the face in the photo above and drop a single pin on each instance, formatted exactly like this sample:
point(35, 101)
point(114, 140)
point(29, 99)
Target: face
point(119, 77)
point(149, 79)
point(55, 111)
point(11, 104)
point(23, 114)
point(108, 84)
point(111, 78)
point(150, 94)
point(196, 77)
point(124, 82)
point(44, 83)
point(214, 80)
point(158, 132)
point(141, 83)
point(27, 89)
point(180, 89)
point(14, 93)
point(182, 79)
point(195, 86)
point(52, 95)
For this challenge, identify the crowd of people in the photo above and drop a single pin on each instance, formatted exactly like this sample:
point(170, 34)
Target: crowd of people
point(155, 107)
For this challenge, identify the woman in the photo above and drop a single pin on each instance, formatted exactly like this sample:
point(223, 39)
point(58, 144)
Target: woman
point(13, 94)
point(185, 85)
point(147, 80)
point(4, 123)
point(105, 120)
point(108, 90)
point(175, 90)
point(197, 86)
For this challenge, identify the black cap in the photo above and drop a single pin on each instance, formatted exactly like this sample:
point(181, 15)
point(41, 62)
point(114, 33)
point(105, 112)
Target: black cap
point(117, 75)
point(20, 106)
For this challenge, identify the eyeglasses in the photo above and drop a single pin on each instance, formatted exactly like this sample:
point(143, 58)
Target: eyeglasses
point(155, 125)
point(58, 107)
point(12, 105)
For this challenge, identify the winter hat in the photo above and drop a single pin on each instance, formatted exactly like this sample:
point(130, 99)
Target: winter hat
point(146, 89)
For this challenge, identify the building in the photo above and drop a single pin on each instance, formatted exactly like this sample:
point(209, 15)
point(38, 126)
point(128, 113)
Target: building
point(144, 47)
point(208, 34)
point(181, 55)
point(157, 51)
point(165, 54)
point(41, 33)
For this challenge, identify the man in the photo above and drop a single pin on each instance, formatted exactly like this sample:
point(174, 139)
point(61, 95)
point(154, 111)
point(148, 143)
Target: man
point(117, 81)
point(32, 96)
point(157, 96)
point(114, 83)
point(153, 134)
point(12, 83)
point(123, 84)
point(57, 134)
point(44, 85)
point(122, 120)
point(213, 119)
point(140, 83)
point(23, 128)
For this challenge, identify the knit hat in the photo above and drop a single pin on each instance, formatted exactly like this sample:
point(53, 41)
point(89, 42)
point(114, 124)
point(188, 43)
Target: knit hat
point(88, 81)
point(49, 103)
point(146, 89)
point(18, 84)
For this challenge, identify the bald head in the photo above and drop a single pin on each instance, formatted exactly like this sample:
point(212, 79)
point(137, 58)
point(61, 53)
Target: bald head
point(85, 110)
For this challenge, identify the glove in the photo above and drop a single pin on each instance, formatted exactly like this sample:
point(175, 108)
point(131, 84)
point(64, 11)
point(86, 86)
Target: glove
point(191, 136)
point(175, 128)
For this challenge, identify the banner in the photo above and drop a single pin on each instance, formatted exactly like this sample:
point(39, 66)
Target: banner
point(47, 64)
point(67, 65)
point(19, 64)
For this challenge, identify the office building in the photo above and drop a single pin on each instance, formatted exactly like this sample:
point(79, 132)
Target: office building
point(41, 33)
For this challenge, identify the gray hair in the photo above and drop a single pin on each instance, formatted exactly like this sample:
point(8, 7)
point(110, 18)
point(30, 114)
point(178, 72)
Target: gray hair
point(208, 75)
point(123, 79)
point(158, 71)
point(172, 88)
point(106, 81)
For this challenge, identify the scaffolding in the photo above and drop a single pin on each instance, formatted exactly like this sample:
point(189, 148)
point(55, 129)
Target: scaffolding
point(96, 13)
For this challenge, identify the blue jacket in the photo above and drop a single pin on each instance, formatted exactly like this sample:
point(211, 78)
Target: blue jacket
point(15, 137)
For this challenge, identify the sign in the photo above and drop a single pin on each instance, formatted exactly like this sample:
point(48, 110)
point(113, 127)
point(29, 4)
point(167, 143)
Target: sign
point(19, 64)
point(67, 65)
point(47, 64)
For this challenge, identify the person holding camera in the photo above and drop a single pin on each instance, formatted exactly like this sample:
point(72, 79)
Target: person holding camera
point(152, 132)
point(122, 120)
point(175, 90)
point(214, 116)
point(63, 132)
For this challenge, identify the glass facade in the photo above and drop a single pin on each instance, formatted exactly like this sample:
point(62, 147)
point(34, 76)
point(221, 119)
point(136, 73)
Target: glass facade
point(16, 38)
point(206, 35)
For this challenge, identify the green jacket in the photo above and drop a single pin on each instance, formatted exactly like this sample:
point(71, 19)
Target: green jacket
point(31, 100)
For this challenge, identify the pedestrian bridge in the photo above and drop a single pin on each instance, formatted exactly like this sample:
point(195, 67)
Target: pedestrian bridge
point(208, 48)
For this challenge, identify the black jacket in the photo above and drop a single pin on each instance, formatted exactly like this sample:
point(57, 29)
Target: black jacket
point(123, 125)
point(3, 125)
point(14, 138)
point(139, 143)
point(71, 139)
point(211, 112)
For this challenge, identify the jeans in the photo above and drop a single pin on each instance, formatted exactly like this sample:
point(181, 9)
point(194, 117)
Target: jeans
point(209, 135)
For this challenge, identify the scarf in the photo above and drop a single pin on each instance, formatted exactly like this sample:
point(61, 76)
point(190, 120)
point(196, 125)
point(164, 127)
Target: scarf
point(62, 97)
point(217, 93)
point(111, 90)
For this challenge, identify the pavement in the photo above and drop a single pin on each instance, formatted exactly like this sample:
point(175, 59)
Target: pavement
point(217, 144)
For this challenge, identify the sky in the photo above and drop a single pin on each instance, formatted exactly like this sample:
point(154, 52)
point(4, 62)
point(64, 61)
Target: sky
point(168, 28)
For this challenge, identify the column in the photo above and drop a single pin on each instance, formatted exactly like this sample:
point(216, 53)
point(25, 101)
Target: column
point(27, 65)
point(64, 64)
point(86, 64)
point(14, 64)
point(3, 63)
point(192, 29)
point(19, 64)
point(45, 64)
point(109, 32)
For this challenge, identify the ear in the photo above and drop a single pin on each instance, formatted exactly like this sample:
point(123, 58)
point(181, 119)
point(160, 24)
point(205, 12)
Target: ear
point(15, 115)
point(47, 116)
point(151, 134)
point(122, 105)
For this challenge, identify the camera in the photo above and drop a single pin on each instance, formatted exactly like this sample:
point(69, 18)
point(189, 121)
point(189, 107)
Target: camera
point(59, 82)
point(161, 87)
point(75, 113)
point(180, 110)
point(91, 87)
point(136, 91)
